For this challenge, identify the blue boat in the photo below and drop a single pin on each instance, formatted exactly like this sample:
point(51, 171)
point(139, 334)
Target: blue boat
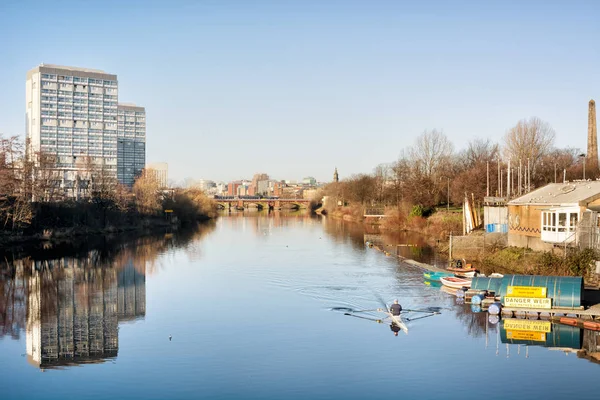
point(435, 276)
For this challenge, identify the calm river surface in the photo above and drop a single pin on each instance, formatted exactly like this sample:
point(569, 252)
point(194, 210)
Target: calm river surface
point(252, 307)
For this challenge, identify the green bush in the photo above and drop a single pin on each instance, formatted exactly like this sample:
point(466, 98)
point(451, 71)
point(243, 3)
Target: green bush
point(580, 262)
point(420, 211)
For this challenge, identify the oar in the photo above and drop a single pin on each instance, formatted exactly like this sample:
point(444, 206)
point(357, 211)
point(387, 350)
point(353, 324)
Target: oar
point(423, 311)
point(382, 302)
point(358, 316)
point(425, 316)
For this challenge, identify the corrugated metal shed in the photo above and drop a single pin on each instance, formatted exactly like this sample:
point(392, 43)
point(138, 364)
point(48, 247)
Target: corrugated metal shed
point(561, 194)
point(565, 291)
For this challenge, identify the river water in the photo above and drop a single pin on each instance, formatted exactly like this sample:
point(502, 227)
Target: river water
point(252, 307)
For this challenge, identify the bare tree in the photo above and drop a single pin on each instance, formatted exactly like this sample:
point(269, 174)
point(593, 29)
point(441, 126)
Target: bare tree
point(431, 152)
point(361, 188)
point(382, 177)
point(480, 152)
point(531, 139)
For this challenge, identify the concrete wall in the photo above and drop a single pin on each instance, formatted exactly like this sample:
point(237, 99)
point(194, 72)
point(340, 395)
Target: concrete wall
point(534, 243)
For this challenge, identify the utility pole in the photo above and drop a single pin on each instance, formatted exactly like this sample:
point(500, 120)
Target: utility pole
point(508, 180)
point(448, 202)
point(499, 182)
point(528, 177)
point(488, 179)
point(520, 179)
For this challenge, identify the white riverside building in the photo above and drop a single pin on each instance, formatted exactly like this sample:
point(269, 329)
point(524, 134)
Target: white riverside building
point(72, 116)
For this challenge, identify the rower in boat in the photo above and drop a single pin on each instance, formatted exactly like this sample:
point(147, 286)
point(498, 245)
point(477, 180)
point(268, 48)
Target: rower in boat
point(395, 311)
point(396, 308)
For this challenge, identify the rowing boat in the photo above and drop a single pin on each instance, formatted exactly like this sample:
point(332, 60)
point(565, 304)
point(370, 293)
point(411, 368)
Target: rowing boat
point(455, 282)
point(397, 320)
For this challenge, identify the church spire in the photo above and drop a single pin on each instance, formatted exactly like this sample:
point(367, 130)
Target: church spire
point(336, 178)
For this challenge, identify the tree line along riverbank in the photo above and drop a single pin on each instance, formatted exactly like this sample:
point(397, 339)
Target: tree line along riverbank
point(487, 252)
point(144, 208)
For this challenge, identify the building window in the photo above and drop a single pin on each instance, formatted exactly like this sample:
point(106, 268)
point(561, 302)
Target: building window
point(573, 221)
point(559, 221)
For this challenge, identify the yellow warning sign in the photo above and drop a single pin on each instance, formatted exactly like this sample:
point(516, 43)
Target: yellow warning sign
point(513, 324)
point(526, 291)
point(527, 302)
point(526, 335)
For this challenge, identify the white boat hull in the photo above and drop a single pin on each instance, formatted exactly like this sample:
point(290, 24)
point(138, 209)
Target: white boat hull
point(455, 283)
point(398, 321)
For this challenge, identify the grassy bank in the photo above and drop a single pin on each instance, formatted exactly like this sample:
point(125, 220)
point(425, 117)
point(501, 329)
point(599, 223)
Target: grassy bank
point(492, 256)
point(437, 224)
point(575, 262)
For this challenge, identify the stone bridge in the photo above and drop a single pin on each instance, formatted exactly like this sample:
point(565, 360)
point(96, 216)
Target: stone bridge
point(267, 203)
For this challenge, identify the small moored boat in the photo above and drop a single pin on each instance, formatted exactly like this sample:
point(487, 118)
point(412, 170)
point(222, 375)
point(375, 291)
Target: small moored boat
point(469, 274)
point(461, 269)
point(435, 276)
point(455, 282)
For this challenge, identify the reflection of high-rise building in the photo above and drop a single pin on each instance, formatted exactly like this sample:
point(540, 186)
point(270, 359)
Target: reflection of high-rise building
point(74, 311)
point(131, 293)
point(72, 317)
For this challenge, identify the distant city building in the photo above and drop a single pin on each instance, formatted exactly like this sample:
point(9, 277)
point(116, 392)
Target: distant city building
point(336, 177)
point(71, 115)
point(205, 185)
point(131, 142)
point(277, 190)
point(232, 188)
point(244, 190)
point(221, 188)
point(259, 185)
point(309, 180)
point(160, 172)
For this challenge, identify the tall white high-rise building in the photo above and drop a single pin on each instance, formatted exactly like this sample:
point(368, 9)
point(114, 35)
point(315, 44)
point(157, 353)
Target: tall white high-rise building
point(131, 142)
point(72, 118)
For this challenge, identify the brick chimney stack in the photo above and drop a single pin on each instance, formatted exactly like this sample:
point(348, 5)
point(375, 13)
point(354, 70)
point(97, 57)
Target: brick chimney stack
point(592, 148)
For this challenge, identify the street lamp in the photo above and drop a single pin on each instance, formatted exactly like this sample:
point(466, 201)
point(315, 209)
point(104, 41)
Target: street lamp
point(448, 201)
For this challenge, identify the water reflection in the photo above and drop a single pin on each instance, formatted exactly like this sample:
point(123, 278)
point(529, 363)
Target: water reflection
point(517, 335)
point(70, 307)
point(73, 314)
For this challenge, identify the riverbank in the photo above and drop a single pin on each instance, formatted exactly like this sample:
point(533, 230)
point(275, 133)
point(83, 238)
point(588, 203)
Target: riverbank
point(439, 224)
point(106, 241)
point(59, 220)
point(487, 252)
point(50, 235)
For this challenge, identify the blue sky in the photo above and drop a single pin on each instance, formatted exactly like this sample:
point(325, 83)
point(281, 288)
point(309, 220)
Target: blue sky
point(296, 88)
